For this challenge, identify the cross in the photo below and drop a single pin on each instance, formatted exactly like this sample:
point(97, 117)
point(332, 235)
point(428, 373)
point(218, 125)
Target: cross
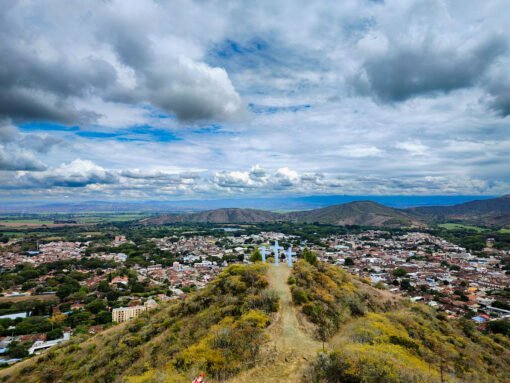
point(276, 249)
point(290, 253)
point(263, 253)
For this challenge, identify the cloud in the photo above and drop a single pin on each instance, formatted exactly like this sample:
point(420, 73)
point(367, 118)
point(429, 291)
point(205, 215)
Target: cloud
point(122, 53)
point(78, 173)
point(257, 178)
point(194, 91)
point(360, 98)
point(498, 88)
point(16, 150)
point(16, 159)
point(427, 65)
point(415, 148)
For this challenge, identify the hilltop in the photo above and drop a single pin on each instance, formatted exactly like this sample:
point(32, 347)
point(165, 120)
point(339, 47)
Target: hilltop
point(364, 213)
point(488, 212)
point(264, 324)
point(485, 212)
point(228, 215)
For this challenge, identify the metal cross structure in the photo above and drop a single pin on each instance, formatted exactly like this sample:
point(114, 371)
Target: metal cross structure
point(276, 248)
point(263, 253)
point(290, 253)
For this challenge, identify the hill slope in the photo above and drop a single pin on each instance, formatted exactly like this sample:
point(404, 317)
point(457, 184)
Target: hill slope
point(249, 326)
point(230, 215)
point(219, 329)
point(494, 211)
point(366, 213)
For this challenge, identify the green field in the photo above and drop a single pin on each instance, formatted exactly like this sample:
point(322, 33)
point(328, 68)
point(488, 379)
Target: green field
point(504, 231)
point(35, 220)
point(458, 226)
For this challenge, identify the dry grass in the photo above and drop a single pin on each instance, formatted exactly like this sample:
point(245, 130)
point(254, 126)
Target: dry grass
point(291, 346)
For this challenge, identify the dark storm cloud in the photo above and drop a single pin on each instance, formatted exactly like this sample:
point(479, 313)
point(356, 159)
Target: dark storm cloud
point(403, 72)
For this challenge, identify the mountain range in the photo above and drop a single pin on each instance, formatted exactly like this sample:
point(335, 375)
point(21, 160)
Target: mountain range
point(487, 212)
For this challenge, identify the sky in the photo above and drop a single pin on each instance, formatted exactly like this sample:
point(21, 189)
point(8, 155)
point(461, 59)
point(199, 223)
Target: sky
point(143, 100)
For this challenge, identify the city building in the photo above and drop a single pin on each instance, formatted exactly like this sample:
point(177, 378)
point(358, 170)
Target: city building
point(124, 314)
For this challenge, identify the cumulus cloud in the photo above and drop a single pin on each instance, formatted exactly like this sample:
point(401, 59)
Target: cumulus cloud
point(45, 76)
point(97, 180)
point(17, 159)
point(402, 71)
point(17, 150)
point(78, 173)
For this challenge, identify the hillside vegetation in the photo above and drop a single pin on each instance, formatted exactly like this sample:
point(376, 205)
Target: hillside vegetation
point(329, 297)
point(373, 339)
point(219, 330)
point(264, 324)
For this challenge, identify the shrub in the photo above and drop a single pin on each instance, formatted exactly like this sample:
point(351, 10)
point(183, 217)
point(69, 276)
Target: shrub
point(299, 296)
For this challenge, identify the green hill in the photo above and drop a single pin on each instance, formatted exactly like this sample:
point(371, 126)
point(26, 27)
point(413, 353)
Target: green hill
point(229, 215)
point(366, 213)
point(264, 324)
point(376, 341)
point(218, 329)
point(488, 212)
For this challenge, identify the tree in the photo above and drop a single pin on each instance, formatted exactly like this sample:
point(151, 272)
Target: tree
point(325, 326)
point(310, 256)
point(33, 325)
point(499, 327)
point(399, 272)
point(18, 350)
point(57, 319)
point(349, 261)
point(96, 306)
point(405, 284)
point(79, 318)
point(103, 317)
point(67, 288)
point(256, 256)
point(56, 333)
point(103, 287)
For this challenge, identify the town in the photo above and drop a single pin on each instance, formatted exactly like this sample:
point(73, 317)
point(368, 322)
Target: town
point(62, 289)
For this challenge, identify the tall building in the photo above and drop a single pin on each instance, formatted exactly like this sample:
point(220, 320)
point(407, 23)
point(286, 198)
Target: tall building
point(123, 314)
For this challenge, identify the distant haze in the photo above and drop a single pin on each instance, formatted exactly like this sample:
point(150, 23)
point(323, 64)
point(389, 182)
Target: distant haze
point(276, 204)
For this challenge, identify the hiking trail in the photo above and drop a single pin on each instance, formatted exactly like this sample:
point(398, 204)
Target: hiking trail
point(291, 347)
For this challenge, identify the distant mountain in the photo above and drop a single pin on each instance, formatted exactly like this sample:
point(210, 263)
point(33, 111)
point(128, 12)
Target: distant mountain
point(218, 216)
point(288, 203)
point(366, 213)
point(488, 212)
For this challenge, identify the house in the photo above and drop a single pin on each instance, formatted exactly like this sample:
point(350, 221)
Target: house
point(120, 280)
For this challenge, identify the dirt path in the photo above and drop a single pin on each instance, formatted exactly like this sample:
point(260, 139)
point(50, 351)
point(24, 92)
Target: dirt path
point(290, 349)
